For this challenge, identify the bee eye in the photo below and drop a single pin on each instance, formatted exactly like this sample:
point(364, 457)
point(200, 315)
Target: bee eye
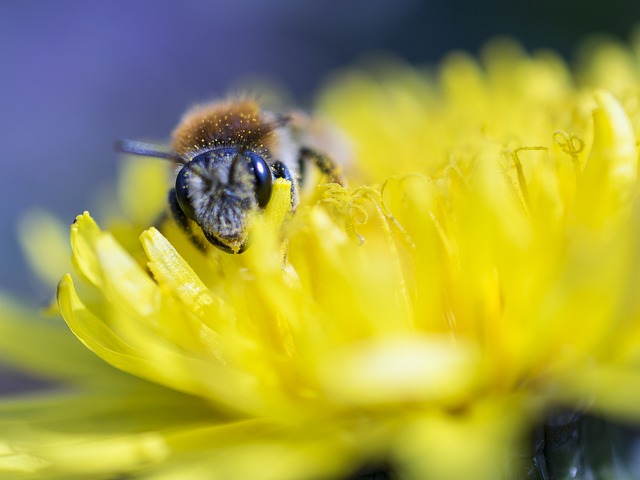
point(263, 179)
point(182, 191)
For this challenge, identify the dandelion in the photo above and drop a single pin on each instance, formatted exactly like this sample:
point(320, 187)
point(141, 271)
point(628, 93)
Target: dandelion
point(481, 275)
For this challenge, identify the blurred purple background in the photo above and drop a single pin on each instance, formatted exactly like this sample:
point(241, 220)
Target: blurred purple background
point(76, 75)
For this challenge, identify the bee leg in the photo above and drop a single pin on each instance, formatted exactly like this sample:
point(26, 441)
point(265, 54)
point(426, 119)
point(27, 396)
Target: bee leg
point(280, 170)
point(183, 222)
point(324, 164)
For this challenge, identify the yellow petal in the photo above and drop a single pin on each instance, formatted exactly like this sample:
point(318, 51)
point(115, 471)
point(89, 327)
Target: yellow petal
point(27, 340)
point(199, 317)
point(14, 461)
point(153, 358)
point(608, 390)
point(401, 369)
point(280, 204)
point(94, 332)
point(108, 455)
point(610, 176)
point(100, 338)
point(106, 264)
point(254, 449)
point(472, 443)
point(99, 433)
point(169, 269)
point(50, 259)
point(150, 174)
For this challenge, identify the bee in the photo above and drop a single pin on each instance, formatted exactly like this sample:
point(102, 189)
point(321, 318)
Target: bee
point(227, 155)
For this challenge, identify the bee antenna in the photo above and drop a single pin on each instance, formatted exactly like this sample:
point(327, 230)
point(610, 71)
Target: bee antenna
point(143, 148)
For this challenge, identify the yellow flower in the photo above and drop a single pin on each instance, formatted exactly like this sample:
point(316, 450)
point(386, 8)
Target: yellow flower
point(483, 274)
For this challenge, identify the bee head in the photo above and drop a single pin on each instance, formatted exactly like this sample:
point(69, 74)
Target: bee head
point(220, 189)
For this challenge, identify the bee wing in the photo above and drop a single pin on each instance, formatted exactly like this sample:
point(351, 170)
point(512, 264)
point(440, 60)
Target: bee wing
point(321, 136)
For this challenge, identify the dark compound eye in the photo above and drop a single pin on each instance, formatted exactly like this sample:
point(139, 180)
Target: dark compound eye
point(182, 191)
point(263, 178)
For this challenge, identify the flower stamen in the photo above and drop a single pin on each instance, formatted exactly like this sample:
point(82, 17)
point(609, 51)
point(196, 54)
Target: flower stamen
point(521, 187)
point(572, 145)
point(350, 204)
